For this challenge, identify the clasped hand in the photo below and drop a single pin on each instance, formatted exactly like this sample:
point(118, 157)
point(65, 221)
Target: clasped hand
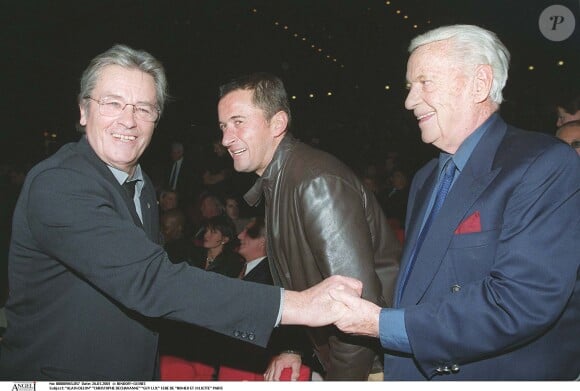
point(336, 300)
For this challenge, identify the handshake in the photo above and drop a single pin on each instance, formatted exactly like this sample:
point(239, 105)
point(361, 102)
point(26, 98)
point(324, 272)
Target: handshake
point(336, 300)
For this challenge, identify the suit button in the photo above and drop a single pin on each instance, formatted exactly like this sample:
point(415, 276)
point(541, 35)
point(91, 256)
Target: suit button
point(244, 335)
point(446, 370)
point(455, 288)
point(236, 333)
point(251, 336)
point(439, 370)
point(454, 368)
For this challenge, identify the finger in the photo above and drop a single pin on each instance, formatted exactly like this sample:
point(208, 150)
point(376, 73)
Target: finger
point(349, 299)
point(294, 375)
point(352, 283)
point(277, 374)
point(295, 372)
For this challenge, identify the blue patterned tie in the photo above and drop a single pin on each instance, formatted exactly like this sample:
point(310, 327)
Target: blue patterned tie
point(442, 190)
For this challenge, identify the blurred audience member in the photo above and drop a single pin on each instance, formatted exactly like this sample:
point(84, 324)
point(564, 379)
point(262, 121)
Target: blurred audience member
point(232, 209)
point(178, 246)
point(218, 252)
point(568, 110)
point(182, 174)
point(395, 201)
point(190, 352)
point(209, 206)
point(216, 170)
point(570, 134)
point(241, 361)
point(168, 199)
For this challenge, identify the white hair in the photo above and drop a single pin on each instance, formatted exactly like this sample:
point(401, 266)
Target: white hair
point(473, 45)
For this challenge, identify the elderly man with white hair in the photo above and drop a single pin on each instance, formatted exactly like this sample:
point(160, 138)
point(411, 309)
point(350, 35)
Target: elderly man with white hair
point(488, 288)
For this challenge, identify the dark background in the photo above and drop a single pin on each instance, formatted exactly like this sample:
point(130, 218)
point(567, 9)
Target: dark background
point(46, 45)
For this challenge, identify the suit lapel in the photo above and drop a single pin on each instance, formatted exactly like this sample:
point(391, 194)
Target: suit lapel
point(420, 204)
point(468, 188)
point(149, 210)
point(260, 273)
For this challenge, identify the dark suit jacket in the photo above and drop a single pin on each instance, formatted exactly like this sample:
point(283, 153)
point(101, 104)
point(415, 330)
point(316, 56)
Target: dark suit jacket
point(501, 302)
point(85, 278)
point(188, 180)
point(241, 355)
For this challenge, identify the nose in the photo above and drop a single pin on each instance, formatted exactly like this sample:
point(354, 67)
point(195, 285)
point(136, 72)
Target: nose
point(228, 137)
point(127, 116)
point(412, 98)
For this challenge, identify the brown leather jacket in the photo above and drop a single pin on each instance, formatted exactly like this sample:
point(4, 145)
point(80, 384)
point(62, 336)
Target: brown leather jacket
point(321, 221)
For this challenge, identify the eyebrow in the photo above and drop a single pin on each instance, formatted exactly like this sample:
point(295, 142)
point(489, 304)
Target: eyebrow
point(123, 99)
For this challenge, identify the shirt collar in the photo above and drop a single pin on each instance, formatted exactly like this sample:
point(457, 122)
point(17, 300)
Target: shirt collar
point(122, 176)
point(466, 148)
point(252, 264)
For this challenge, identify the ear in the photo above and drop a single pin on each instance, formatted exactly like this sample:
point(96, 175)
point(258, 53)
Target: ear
point(279, 123)
point(83, 110)
point(482, 82)
point(225, 240)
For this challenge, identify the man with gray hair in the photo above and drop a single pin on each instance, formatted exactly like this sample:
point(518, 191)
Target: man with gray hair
point(87, 275)
point(489, 287)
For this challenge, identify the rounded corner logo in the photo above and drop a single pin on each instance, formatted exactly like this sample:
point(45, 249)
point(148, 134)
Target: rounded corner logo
point(557, 23)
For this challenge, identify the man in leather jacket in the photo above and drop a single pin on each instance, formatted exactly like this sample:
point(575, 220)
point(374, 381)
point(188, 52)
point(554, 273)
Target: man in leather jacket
point(320, 219)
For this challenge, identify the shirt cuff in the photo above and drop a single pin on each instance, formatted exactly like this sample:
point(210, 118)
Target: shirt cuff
point(279, 317)
point(392, 330)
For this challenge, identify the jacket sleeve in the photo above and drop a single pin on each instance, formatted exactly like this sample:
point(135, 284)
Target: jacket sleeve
point(80, 221)
point(339, 235)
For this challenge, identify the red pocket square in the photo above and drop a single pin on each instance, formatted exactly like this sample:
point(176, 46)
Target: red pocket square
point(470, 225)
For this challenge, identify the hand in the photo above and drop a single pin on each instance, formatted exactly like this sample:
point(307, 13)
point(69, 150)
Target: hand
point(360, 317)
point(279, 363)
point(315, 307)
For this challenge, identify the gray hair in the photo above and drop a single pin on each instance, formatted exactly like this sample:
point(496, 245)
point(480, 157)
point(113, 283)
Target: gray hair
point(125, 57)
point(473, 45)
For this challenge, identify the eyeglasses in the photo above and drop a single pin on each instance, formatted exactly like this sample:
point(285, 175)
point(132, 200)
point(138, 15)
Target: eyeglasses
point(112, 107)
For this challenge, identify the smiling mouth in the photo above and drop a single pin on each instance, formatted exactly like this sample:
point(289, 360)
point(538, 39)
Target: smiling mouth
point(426, 115)
point(239, 151)
point(124, 137)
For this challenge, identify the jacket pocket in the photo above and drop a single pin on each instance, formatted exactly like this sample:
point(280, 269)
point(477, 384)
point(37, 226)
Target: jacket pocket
point(472, 255)
point(476, 239)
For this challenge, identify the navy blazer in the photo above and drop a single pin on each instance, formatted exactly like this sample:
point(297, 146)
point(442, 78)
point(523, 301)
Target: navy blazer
point(501, 302)
point(86, 278)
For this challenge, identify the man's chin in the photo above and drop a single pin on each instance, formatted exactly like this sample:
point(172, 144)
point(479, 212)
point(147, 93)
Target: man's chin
point(242, 168)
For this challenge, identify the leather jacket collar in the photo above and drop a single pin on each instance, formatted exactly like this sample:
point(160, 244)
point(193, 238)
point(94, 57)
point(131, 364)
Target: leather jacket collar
point(264, 183)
